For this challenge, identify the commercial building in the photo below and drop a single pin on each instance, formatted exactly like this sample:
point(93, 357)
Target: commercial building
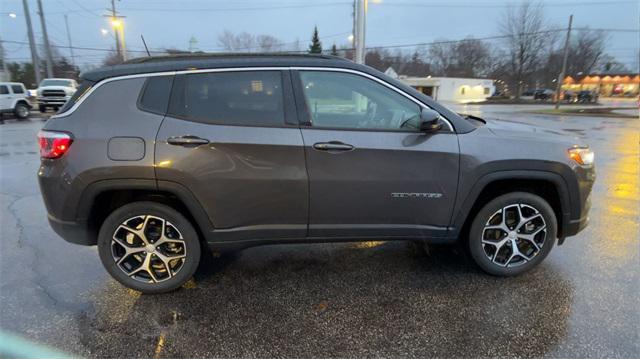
point(605, 84)
point(454, 89)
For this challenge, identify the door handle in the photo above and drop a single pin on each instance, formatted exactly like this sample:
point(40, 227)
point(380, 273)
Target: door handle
point(187, 141)
point(333, 146)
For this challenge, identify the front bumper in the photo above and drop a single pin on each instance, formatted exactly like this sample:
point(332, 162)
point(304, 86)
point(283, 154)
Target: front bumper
point(52, 101)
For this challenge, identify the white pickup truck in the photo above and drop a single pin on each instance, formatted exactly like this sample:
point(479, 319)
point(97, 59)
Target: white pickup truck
point(14, 99)
point(54, 93)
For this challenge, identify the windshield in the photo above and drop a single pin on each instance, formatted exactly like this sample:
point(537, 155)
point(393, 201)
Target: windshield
point(66, 83)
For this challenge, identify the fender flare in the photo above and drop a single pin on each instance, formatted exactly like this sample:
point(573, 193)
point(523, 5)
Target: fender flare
point(88, 196)
point(463, 208)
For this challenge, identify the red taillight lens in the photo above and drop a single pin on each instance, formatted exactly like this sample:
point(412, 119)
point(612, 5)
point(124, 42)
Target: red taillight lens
point(53, 144)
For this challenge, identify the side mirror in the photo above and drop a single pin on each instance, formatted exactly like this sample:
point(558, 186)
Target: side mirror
point(429, 121)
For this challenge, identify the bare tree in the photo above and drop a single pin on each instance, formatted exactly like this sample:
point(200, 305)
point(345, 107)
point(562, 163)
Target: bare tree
point(526, 42)
point(268, 43)
point(586, 51)
point(245, 42)
point(467, 58)
point(442, 56)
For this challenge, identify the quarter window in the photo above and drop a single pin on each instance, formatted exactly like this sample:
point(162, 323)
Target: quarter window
point(251, 98)
point(344, 100)
point(155, 96)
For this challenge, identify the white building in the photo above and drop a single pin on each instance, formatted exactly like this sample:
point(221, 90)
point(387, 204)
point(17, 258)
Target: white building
point(454, 89)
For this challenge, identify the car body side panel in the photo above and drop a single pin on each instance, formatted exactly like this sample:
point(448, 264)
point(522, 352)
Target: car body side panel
point(110, 112)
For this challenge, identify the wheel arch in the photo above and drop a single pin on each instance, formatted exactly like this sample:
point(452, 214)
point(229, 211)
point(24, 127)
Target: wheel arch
point(101, 198)
point(549, 185)
point(22, 101)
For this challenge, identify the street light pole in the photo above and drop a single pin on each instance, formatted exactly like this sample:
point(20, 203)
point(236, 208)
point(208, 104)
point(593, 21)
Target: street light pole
point(47, 46)
point(361, 17)
point(564, 64)
point(32, 43)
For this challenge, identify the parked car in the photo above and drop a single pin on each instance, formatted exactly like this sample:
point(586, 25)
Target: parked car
point(586, 96)
point(236, 151)
point(544, 94)
point(54, 93)
point(528, 94)
point(14, 99)
point(569, 96)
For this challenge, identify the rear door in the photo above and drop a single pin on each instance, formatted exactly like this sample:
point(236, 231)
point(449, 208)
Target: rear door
point(232, 138)
point(370, 173)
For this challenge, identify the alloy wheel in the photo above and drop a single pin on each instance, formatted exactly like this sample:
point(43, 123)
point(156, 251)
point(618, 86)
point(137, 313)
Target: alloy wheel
point(148, 248)
point(514, 235)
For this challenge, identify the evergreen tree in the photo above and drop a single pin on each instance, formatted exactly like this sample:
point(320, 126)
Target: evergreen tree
point(334, 50)
point(316, 46)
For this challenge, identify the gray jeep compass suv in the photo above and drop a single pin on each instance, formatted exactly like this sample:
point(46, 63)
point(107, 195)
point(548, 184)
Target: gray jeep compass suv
point(157, 158)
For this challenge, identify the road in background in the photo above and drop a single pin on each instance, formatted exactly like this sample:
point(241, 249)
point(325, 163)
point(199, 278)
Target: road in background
point(358, 299)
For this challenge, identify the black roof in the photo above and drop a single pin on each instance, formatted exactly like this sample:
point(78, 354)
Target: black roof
point(207, 61)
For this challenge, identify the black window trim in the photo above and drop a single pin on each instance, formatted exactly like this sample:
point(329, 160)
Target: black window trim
point(290, 117)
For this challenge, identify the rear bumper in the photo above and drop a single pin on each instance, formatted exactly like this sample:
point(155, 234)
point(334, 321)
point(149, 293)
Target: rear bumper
point(72, 231)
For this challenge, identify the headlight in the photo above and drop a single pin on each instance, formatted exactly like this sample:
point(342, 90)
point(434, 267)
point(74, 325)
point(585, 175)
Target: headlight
point(582, 155)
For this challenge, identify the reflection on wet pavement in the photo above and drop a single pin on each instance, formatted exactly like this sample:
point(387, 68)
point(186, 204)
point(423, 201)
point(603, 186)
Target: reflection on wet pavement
point(365, 299)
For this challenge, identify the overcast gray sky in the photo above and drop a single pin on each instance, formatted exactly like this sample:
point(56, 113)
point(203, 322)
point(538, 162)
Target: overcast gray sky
point(170, 24)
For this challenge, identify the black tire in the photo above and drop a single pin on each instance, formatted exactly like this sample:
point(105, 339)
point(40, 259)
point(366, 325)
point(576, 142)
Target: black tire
point(42, 108)
point(21, 111)
point(183, 226)
point(529, 201)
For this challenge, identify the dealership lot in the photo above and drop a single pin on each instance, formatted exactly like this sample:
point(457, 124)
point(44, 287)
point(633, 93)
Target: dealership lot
point(373, 298)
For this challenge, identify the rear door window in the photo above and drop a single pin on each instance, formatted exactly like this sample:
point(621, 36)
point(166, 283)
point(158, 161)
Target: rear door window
point(245, 98)
point(4, 90)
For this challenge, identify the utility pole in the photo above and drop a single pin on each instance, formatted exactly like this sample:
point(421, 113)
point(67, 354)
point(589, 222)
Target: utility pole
point(361, 17)
point(66, 23)
point(564, 63)
point(47, 46)
point(118, 30)
point(32, 43)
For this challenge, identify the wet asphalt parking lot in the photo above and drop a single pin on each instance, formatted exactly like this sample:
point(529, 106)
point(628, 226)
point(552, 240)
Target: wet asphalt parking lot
point(390, 299)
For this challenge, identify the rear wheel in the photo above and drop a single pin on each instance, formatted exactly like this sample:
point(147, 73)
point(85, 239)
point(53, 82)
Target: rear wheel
point(512, 234)
point(21, 111)
point(149, 247)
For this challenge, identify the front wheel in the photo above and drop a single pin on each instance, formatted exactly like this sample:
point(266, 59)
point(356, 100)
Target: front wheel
point(149, 247)
point(21, 111)
point(512, 234)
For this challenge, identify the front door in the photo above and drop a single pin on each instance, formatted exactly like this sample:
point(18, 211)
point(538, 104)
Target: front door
point(370, 173)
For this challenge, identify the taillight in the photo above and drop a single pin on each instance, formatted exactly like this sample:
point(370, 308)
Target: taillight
point(53, 144)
